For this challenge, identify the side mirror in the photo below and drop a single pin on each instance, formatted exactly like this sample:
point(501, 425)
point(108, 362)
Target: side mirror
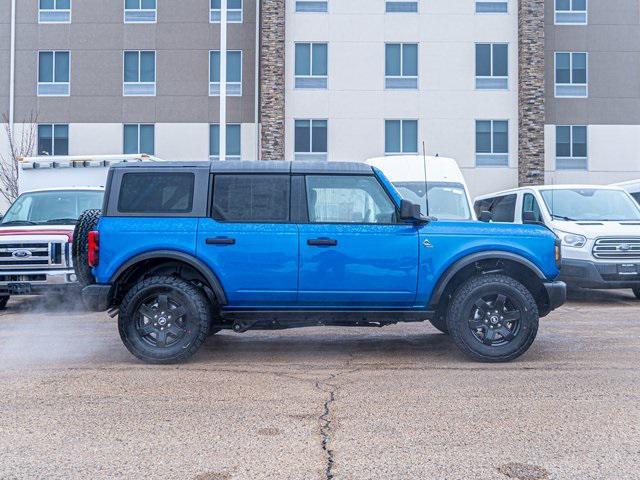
point(411, 212)
point(530, 218)
point(485, 216)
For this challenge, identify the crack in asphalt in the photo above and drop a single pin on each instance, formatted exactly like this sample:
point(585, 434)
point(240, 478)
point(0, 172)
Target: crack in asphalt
point(325, 424)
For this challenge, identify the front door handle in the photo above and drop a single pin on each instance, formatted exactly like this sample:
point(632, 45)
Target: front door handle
point(322, 242)
point(221, 241)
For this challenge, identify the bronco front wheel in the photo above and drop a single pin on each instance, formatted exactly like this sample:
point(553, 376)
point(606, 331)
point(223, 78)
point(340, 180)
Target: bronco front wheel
point(493, 318)
point(164, 319)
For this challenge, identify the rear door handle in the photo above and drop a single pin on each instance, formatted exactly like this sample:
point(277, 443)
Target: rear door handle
point(221, 241)
point(322, 242)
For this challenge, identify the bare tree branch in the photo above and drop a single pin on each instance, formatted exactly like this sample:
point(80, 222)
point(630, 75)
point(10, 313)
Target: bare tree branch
point(22, 145)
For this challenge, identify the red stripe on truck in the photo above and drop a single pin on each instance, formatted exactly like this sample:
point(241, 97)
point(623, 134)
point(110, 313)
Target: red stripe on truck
point(68, 233)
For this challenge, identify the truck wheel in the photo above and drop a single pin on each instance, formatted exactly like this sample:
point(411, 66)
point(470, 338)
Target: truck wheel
point(164, 319)
point(493, 318)
point(4, 299)
point(79, 248)
point(440, 323)
point(636, 292)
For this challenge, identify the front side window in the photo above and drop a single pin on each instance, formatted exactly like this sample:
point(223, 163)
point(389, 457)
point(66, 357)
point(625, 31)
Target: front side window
point(156, 193)
point(571, 147)
point(233, 142)
point(492, 143)
point(590, 204)
point(571, 74)
point(139, 73)
point(400, 6)
point(59, 207)
point(53, 74)
point(310, 140)
point(139, 138)
point(53, 139)
point(311, 67)
point(140, 11)
point(400, 137)
point(492, 6)
point(251, 198)
point(54, 11)
point(530, 205)
point(401, 66)
point(504, 209)
point(348, 199)
point(447, 201)
point(234, 73)
point(571, 12)
point(492, 66)
point(234, 11)
point(312, 6)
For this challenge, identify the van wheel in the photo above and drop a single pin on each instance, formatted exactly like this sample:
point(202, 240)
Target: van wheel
point(440, 323)
point(164, 319)
point(87, 221)
point(493, 318)
point(4, 299)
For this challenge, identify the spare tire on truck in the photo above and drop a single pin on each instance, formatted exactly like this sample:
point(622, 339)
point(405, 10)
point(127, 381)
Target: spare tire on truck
point(87, 221)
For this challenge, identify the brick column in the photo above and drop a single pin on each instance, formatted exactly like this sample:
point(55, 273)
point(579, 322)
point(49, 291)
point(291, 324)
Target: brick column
point(272, 78)
point(531, 92)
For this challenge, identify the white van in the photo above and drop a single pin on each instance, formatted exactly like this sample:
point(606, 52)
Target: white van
point(448, 193)
point(633, 187)
point(599, 228)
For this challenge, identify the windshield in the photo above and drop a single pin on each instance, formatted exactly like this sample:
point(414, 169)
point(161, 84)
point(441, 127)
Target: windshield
point(591, 204)
point(447, 201)
point(55, 207)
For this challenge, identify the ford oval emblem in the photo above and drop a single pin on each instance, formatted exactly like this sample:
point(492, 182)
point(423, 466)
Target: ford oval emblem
point(625, 247)
point(21, 253)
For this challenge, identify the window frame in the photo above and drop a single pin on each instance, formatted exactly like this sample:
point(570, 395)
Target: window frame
point(570, 84)
point(302, 2)
point(138, 125)
point(570, 11)
point(506, 2)
point(491, 155)
point(388, 2)
point(300, 156)
point(138, 21)
point(53, 137)
point(402, 151)
point(212, 85)
point(139, 83)
point(389, 79)
point(322, 79)
point(54, 11)
point(234, 19)
point(492, 66)
point(215, 158)
point(572, 156)
point(40, 84)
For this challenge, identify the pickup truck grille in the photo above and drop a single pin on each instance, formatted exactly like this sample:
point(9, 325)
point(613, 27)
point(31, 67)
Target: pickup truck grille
point(31, 255)
point(617, 248)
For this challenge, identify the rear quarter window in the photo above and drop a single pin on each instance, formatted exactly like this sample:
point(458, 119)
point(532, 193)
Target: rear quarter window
point(156, 193)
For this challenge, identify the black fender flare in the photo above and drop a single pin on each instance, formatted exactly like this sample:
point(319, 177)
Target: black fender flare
point(198, 265)
point(465, 261)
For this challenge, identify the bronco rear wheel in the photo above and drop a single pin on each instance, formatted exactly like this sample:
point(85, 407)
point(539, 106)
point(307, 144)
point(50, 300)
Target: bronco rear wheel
point(164, 319)
point(493, 318)
point(87, 221)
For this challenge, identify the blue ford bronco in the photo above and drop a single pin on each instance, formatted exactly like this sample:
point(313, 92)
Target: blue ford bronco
point(182, 250)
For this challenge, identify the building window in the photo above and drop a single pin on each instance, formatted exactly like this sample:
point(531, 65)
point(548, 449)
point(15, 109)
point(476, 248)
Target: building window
point(314, 6)
point(571, 74)
point(401, 6)
point(492, 143)
point(139, 73)
point(400, 136)
point(140, 11)
point(139, 138)
point(310, 140)
point(401, 65)
point(311, 65)
point(233, 142)
point(53, 139)
point(492, 6)
point(492, 66)
point(53, 74)
point(571, 12)
point(234, 11)
point(571, 147)
point(54, 11)
point(234, 73)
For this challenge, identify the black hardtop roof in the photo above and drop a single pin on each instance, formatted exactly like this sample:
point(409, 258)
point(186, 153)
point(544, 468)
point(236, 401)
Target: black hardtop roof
point(262, 166)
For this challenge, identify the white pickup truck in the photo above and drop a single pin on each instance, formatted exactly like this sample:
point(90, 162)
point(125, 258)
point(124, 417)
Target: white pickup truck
point(36, 232)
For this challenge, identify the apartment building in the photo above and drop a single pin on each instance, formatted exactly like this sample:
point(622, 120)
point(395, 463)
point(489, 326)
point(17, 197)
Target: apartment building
point(131, 76)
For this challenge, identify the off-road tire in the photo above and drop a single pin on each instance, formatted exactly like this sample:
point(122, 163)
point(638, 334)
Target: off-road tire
point(636, 292)
point(197, 319)
point(4, 299)
point(462, 305)
point(80, 246)
point(440, 323)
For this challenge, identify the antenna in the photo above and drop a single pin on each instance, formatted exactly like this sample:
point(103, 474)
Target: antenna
point(426, 183)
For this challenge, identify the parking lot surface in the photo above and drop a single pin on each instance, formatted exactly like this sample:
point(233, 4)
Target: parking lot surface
point(398, 403)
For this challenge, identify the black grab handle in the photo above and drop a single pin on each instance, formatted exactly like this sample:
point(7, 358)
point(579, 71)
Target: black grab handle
point(322, 242)
point(221, 241)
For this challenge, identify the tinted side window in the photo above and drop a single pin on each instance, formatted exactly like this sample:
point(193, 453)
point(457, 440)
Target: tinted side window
point(348, 199)
point(504, 208)
point(156, 192)
point(530, 204)
point(251, 198)
point(483, 206)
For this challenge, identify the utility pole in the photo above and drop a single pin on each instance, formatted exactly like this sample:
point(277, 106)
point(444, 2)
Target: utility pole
point(223, 80)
